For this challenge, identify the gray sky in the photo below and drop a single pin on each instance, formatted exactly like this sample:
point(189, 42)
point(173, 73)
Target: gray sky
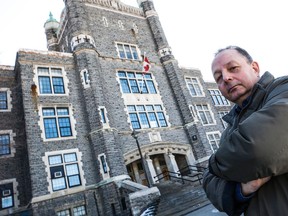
point(195, 29)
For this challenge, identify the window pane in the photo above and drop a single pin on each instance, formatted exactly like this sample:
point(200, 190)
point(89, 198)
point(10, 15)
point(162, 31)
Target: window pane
point(121, 51)
point(134, 51)
point(65, 127)
point(3, 100)
point(56, 159)
point(128, 52)
point(45, 85)
point(58, 184)
point(134, 86)
point(140, 108)
point(4, 144)
point(62, 111)
point(64, 213)
point(50, 128)
point(72, 169)
point(58, 85)
point(134, 121)
point(56, 71)
point(7, 202)
point(43, 70)
point(79, 211)
point(144, 120)
point(162, 120)
point(74, 181)
point(151, 87)
point(70, 157)
point(124, 86)
point(121, 74)
point(48, 112)
point(153, 120)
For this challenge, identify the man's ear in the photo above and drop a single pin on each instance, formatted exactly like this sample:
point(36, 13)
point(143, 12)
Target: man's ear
point(255, 67)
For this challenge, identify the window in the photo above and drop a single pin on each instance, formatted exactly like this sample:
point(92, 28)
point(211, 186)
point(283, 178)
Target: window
point(64, 171)
point(194, 115)
point(85, 78)
point(79, 211)
point(127, 51)
point(57, 122)
point(214, 139)
point(217, 98)
point(194, 86)
point(103, 116)
point(51, 80)
point(132, 82)
point(5, 100)
point(65, 212)
point(205, 114)
point(146, 116)
point(7, 196)
point(5, 144)
point(221, 114)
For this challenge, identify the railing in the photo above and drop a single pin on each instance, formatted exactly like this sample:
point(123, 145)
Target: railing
point(192, 171)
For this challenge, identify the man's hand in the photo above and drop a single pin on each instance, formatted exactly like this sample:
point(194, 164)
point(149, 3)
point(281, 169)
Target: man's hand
point(252, 186)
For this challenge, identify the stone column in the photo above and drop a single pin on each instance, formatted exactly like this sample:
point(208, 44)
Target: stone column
point(152, 172)
point(171, 162)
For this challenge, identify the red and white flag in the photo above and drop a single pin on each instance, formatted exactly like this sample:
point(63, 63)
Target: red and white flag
point(146, 65)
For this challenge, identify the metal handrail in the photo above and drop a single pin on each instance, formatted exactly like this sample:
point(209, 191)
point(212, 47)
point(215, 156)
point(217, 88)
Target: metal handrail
point(167, 174)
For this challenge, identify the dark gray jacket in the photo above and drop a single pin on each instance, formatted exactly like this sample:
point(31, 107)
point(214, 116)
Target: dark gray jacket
point(255, 145)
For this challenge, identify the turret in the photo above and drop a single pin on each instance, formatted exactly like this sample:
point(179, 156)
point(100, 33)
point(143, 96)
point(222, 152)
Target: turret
point(51, 27)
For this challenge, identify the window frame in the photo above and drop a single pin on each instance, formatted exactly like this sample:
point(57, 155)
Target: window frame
point(123, 53)
point(57, 117)
point(50, 76)
point(199, 91)
point(7, 101)
point(217, 141)
point(204, 112)
point(142, 116)
point(134, 82)
point(12, 149)
point(55, 165)
point(13, 184)
point(217, 98)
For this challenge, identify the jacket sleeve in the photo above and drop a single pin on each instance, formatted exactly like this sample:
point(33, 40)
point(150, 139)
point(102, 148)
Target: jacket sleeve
point(258, 147)
point(221, 193)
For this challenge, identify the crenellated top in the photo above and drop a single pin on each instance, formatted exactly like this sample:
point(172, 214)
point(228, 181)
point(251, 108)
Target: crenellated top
point(116, 5)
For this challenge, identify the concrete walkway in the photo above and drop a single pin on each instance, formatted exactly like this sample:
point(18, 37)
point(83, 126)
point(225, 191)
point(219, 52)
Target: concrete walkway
point(208, 210)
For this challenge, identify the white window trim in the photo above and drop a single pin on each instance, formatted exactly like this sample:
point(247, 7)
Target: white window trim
point(212, 115)
point(12, 143)
point(72, 122)
point(104, 175)
point(105, 125)
point(213, 133)
point(85, 83)
point(9, 100)
point(199, 83)
point(64, 75)
point(80, 165)
point(15, 196)
point(194, 114)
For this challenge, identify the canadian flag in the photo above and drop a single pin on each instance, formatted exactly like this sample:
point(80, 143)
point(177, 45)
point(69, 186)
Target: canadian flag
point(146, 65)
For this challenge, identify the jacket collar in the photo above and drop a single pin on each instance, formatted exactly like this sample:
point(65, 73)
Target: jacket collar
point(258, 93)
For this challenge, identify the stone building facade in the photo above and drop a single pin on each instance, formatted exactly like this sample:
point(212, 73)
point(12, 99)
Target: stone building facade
point(85, 130)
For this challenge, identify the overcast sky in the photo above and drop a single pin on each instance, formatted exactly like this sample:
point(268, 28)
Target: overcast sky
point(195, 29)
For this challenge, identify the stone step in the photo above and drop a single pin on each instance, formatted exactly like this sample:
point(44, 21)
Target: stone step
point(178, 199)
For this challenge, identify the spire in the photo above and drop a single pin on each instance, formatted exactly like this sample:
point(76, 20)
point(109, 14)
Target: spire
point(51, 23)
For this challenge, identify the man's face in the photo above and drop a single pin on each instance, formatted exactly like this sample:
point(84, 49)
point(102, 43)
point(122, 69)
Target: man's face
point(234, 75)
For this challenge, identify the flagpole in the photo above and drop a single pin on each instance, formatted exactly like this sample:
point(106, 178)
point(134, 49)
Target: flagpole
point(142, 81)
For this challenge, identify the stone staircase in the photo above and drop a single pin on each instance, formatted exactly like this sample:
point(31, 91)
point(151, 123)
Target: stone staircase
point(179, 199)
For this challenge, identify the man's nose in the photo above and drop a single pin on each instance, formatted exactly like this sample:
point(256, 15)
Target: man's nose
point(227, 76)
